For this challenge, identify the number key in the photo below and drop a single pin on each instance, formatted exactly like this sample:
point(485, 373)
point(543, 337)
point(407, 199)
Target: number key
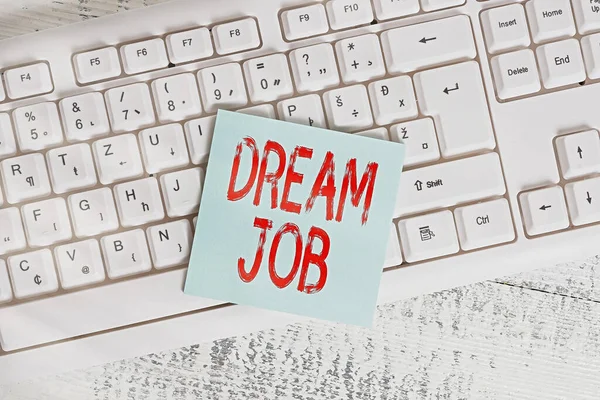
point(38, 126)
point(268, 78)
point(222, 87)
point(176, 97)
point(130, 107)
point(84, 117)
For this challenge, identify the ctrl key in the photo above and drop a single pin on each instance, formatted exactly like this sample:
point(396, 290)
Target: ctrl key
point(484, 224)
point(33, 274)
point(428, 236)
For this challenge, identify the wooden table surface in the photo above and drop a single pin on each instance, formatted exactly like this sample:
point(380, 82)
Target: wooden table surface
point(531, 336)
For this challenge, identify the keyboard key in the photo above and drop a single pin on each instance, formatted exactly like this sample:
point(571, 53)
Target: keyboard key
point(46, 222)
point(393, 254)
point(268, 78)
point(386, 9)
point(12, 237)
point(304, 22)
point(79, 264)
point(348, 109)
point(428, 236)
point(182, 191)
point(484, 224)
point(579, 154)
point(191, 45)
point(130, 107)
point(199, 133)
point(176, 98)
point(33, 274)
point(583, 199)
point(455, 98)
point(587, 14)
point(505, 28)
point(170, 244)
point(37, 126)
point(84, 117)
point(393, 100)
point(117, 158)
point(428, 44)
point(97, 65)
point(561, 63)
point(450, 183)
point(420, 140)
point(5, 289)
point(2, 93)
point(348, 13)
point(314, 68)
point(516, 74)
point(236, 36)
point(30, 80)
point(306, 110)
point(222, 87)
point(591, 54)
point(139, 202)
point(263, 110)
point(93, 212)
point(430, 5)
point(550, 19)
point(163, 148)
point(71, 168)
point(360, 58)
point(144, 56)
point(25, 178)
point(544, 210)
point(375, 133)
point(126, 254)
point(8, 146)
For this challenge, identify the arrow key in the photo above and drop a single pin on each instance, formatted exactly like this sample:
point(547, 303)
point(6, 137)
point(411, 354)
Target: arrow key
point(583, 199)
point(544, 210)
point(579, 154)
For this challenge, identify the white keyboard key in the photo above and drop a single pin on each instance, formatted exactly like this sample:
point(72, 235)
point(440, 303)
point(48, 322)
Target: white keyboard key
point(25, 178)
point(97, 65)
point(591, 54)
point(191, 45)
point(176, 98)
point(139, 202)
point(348, 109)
point(163, 148)
point(126, 254)
point(33, 274)
point(430, 5)
point(450, 183)
point(93, 212)
point(170, 244)
point(516, 74)
point(348, 13)
point(583, 199)
point(544, 210)
point(222, 87)
point(428, 236)
point(484, 224)
point(393, 100)
point(314, 68)
point(236, 36)
point(376, 133)
point(71, 168)
point(144, 56)
point(37, 126)
point(393, 254)
point(268, 78)
point(46, 222)
point(117, 158)
point(2, 93)
point(505, 28)
point(360, 58)
point(130, 107)
point(199, 133)
point(84, 117)
point(304, 22)
point(8, 146)
point(28, 81)
point(306, 110)
point(182, 191)
point(79, 264)
point(579, 154)
point(428, 44)
point(420, 140)
point(388, 9)
point(587, 14)
point(12, 237)
point(263, 110)
point(5, 289)
point(550, 19)
point(561, 63)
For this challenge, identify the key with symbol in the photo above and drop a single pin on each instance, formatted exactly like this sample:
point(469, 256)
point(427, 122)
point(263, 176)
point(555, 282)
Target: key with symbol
point(182, 191)
point(84, 117)
point(579, 154)
point(37, 126)
point(544, 210)
point(71, 168)
point(268, 78)
point(126, 254)
point(348, 109)
point(46, 222)
point(79, 264)
point(12, 237)
point(420, 140)
point(93, 212)
point(393, 100)
point(33, 274)
point(583, 199)
point(163, 148)
point(360, 58)
point(176, 98)
point(314, 68)
point(223, 87)
point(139, 202)
point(199, 133)
point(25, 178)
point(306, 110)
point(117, 158)
point(170, 243)
point(129, 107)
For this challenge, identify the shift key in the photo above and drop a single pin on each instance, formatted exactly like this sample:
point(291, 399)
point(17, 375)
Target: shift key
point(449, 184)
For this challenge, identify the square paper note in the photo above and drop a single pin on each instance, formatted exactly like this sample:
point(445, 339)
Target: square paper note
point(294, 218)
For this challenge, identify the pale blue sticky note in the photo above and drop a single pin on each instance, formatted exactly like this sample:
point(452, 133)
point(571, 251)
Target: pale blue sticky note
point(296, 273)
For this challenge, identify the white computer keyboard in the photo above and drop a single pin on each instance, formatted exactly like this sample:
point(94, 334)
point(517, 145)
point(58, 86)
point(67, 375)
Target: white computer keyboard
point(105, 131)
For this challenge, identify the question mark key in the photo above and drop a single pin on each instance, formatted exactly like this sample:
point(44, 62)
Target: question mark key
point(314, 68)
